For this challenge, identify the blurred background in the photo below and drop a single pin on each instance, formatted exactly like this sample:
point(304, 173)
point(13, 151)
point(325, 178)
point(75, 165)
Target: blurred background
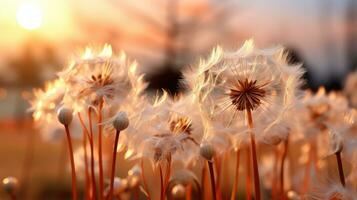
point(165, 36)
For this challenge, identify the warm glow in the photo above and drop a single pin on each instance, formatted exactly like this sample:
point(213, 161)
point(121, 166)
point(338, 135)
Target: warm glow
point(29, 16)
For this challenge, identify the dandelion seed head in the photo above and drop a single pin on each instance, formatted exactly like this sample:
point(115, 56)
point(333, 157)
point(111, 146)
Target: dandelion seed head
point(99, 77)
point(228, 84)
point(45, 102)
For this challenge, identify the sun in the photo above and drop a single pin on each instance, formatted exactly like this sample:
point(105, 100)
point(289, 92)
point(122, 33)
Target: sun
point(29, 16)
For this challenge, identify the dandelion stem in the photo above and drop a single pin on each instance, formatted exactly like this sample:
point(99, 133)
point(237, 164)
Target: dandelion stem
point(211, 172)
point(218, 165)
point(62, 160)
point(275, 174)
point(285, 152)
point(113, 164)
point(306, 181)
point(188, 191)
point(340, 168)
point(161, 183)
point(144, 179)
point(86, 172)
point(248, 178)
point(254, 156)
point(203, 181)
point(100, 155)
point(13, 196)
point(236, 177)
point(73, 170)
point(91, 145)
point(167, 173)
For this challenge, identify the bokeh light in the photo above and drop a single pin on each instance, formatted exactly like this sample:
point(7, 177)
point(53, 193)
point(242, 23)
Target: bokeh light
point(29, 16)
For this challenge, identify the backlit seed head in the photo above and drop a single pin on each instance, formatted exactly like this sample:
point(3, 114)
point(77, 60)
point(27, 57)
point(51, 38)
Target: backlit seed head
point(10, 184)
point(178, 191)
point(207, 151)
point(121, 121)
point(65, 115)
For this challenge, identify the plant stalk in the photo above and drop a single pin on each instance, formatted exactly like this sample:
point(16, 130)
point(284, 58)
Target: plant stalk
point(254, 156)
point(236, 177)
point(113, 164)
point(340, 168)
point(211, 172)
point(73, 169)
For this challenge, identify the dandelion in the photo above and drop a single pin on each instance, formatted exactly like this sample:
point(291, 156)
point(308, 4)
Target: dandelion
point(207, 152)
point(120, 123)
point(245, 83)
point(100, 80)
point(65, 116)
point(164, 131)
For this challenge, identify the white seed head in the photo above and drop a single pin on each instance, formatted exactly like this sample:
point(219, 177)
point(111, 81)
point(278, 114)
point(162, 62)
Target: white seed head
point(121, 121)
point(178, 191)
point(207, 151)
point(65, 115)
point(10, 184)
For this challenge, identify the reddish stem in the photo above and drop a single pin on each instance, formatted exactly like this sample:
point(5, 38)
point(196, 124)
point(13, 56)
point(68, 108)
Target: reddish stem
point(203, 181)
point(86, 171)
point(161, 183)
point(340, 168)
point(100, 155)
point(248, 181)
point(113, 165)
point(236, 177)
point(144, 179)
point(275, 175)
point(285, 152)
point(211, 172)
point(188, 191)
point(167, 173)
point(91, 145)
point(306, 181)
point(12, 196)
point(218, 165)
point(254, 156)
point(73, 169)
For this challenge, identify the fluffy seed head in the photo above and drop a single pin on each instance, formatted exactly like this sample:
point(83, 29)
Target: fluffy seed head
point(65, 116)
point(178, 191)
point(121, 121)
point(207, 151)
point(10, 184)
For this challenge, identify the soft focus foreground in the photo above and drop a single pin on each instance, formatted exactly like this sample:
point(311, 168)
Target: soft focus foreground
point(156, 110)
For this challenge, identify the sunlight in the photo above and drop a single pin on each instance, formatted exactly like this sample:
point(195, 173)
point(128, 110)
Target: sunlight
point(29, 16)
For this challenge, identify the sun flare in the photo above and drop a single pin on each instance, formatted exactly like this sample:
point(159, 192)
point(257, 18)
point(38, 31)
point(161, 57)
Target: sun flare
point(29, 16)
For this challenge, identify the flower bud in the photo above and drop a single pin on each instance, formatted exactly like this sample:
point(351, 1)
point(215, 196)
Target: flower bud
point(207, 151)
point(65, 116)
point(121, 121)
point(10, 184)
point(178, 191)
